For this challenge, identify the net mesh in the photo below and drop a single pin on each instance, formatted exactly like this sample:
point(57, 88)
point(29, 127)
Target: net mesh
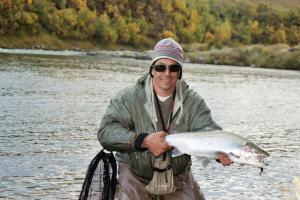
point(100, 181)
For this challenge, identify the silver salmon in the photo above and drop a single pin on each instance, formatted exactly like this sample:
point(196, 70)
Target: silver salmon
point(209, 144)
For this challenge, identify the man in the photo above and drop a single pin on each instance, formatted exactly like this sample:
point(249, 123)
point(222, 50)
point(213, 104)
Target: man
point(139, 117)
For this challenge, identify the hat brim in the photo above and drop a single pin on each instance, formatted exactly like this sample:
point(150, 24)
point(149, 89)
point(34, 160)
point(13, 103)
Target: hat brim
point(160, 57)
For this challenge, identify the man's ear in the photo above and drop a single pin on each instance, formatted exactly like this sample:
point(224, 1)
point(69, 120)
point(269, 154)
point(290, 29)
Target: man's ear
point(180, 74)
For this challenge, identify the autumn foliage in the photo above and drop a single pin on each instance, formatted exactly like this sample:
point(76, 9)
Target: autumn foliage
point(141, 23)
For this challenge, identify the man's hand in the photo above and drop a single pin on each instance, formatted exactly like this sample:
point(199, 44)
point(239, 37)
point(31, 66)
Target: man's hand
point(224, 159)
point(156, 143)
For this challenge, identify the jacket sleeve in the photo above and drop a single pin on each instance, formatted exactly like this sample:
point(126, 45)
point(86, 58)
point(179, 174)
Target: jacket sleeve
point(200, 118)
point(116, 130)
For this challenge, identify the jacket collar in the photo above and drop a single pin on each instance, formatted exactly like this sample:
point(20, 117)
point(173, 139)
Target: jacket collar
point(146, 82)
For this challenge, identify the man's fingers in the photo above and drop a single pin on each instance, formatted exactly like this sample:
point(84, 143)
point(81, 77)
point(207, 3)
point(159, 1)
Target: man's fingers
point(156, 143)
point(162, 134)
point(225, 160)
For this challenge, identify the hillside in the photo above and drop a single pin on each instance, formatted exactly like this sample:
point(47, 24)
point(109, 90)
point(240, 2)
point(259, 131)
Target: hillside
point(289, 4)
point(138, 24)
point(279, 3)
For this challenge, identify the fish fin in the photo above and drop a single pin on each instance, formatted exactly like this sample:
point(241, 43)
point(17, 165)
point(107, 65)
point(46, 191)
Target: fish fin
point(176, 152)
point(205, 162)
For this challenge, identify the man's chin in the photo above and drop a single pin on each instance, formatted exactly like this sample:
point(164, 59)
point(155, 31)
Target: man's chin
point(167, 88)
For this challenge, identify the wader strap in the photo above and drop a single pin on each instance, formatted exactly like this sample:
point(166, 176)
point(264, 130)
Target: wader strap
point(161, 170)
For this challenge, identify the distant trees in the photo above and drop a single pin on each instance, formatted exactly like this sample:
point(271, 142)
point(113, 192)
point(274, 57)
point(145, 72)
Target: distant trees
point(141, 23)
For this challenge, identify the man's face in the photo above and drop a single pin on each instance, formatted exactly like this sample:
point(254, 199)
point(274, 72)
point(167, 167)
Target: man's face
point(165, 81)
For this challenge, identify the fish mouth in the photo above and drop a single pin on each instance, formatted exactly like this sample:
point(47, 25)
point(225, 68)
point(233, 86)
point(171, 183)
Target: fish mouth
point(262, 161)
point(266, 160)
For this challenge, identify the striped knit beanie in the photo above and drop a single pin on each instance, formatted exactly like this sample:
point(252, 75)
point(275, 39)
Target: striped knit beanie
point(168, 48)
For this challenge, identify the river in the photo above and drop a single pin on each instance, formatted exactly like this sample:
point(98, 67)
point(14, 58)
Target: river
point(51, 107)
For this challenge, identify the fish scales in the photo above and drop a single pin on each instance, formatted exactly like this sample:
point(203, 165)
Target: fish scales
point(209, 144)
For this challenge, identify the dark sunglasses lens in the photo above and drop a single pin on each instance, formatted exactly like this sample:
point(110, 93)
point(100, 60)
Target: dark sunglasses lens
point(174, 68)
point(160, 68)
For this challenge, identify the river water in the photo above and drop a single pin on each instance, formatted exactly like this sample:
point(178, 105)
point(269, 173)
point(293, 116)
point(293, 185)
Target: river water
point(51, 107)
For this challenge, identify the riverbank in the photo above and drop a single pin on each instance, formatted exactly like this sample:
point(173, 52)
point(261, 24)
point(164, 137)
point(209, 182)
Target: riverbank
point(280, 56)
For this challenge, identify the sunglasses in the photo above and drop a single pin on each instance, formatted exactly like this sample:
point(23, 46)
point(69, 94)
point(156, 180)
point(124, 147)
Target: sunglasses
point(163, 67)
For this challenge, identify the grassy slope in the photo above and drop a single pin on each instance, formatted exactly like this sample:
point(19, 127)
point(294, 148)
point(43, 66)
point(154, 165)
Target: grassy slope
point(279, 56)
point(283, 3)
point(277, 3)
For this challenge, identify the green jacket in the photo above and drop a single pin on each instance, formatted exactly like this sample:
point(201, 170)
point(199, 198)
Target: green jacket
point(130, 113)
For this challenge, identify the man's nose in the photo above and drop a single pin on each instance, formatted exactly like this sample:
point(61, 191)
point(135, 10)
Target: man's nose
point(167, 71)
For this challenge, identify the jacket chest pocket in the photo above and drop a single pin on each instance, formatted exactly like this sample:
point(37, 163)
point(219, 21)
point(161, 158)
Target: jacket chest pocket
point(180, 128)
